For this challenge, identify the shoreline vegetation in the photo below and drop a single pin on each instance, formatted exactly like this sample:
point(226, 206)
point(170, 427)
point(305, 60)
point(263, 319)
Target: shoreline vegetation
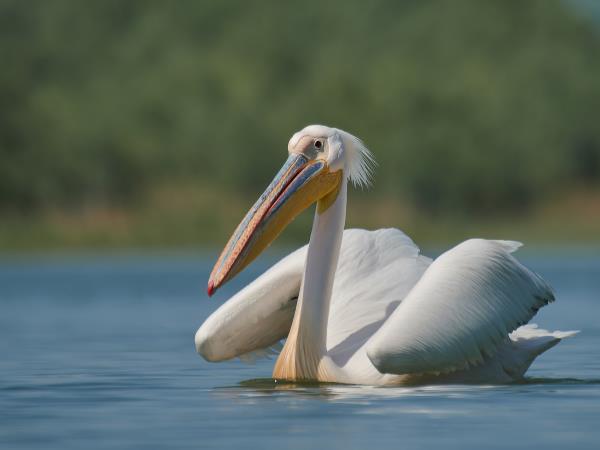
point(154, 125)
point(194, 218)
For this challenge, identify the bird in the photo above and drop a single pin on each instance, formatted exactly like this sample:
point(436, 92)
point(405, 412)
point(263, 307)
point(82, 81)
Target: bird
point(366, 307)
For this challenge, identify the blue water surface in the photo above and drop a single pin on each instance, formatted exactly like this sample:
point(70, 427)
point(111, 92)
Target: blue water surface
point(98, 352)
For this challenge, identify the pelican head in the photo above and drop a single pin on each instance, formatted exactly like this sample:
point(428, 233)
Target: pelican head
point(320, 159)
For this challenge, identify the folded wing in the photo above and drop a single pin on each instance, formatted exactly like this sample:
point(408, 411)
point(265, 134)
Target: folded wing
point(460, 311)
point(377, 269)
point(253, 321)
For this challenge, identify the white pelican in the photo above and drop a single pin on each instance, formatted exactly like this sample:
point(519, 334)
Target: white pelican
point(364, 307)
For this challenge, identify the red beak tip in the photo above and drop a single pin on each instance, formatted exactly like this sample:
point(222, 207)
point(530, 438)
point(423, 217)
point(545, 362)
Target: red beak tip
point(211, 289)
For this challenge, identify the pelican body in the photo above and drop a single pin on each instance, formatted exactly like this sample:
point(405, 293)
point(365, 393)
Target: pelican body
point(365, 307)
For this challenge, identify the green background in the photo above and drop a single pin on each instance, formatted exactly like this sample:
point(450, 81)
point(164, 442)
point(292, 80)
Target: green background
point(157, 124)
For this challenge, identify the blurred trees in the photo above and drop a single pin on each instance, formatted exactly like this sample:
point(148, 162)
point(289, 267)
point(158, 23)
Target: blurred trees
point(469, 106)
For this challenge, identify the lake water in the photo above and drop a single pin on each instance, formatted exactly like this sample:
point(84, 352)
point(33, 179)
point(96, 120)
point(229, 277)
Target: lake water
point(98, 352)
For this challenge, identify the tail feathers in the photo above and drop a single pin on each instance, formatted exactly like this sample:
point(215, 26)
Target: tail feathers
point(537, 340)
point(527, 343)
point(531, 330)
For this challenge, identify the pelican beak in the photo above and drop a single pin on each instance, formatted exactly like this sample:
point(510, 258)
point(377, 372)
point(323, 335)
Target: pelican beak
point(300, 183)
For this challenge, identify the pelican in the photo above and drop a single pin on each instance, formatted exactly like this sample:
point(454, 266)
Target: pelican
point(365, 307)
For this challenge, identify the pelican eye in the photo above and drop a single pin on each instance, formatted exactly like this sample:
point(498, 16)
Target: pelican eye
point(318, 144)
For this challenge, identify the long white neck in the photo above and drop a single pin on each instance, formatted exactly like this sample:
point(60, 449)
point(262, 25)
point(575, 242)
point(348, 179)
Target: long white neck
point(319, 272)
point(306, 343)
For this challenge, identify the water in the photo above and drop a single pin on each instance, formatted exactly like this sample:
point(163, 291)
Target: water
point(97, 352)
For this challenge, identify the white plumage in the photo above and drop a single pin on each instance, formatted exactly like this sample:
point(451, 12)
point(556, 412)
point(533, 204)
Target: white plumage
point(365, 307)
point(390, 304)
point(460, 311)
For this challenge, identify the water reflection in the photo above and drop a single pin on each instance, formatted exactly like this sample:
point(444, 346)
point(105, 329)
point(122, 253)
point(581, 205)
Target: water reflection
point(270, 388)
point(339, 392)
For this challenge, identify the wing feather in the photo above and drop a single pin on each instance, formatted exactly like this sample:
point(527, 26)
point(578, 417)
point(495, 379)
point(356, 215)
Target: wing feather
point(375, 272)
point(460, 311)
point(377, 269)
point(251, 323)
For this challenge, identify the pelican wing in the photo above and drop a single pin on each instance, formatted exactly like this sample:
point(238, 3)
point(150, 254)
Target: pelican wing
point(460, 311)
point(376, 270)
point(253, 321)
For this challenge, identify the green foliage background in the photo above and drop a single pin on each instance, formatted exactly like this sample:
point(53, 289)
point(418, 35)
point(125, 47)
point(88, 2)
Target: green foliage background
point(473, 108)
